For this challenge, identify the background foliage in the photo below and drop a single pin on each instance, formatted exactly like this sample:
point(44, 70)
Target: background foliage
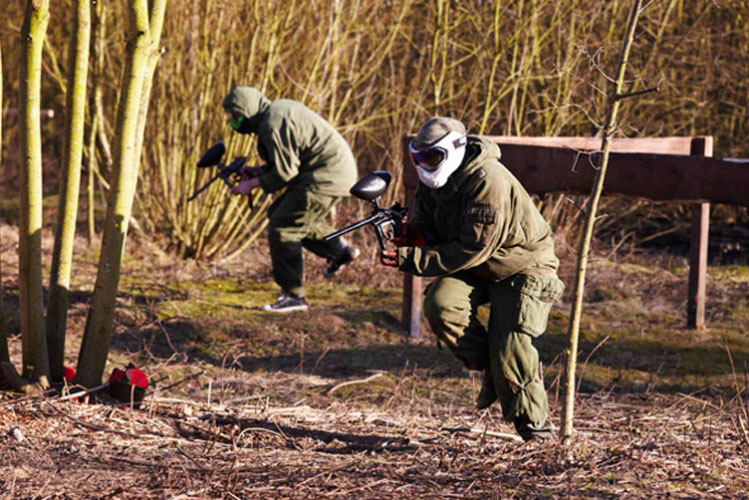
point(377, 68)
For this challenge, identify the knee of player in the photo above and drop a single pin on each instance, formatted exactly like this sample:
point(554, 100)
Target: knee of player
point(445, 313)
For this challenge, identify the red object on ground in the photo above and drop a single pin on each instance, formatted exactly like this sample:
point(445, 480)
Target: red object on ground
point(68, 373)
point(128, 385)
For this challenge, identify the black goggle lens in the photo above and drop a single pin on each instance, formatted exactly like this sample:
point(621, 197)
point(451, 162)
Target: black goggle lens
point(429, 158)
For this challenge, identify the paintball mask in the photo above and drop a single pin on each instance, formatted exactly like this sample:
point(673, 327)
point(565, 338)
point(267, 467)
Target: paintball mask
point(235, 120)
point(437, 162)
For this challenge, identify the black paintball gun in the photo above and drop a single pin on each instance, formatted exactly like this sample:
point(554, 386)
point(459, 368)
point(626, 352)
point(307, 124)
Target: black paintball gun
point(230, 173)
point(386, 221)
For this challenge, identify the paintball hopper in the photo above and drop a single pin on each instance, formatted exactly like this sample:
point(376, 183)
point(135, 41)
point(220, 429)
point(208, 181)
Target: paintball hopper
point(371, 186)
point(213, 155)
point(386, 221)
point(128, 386)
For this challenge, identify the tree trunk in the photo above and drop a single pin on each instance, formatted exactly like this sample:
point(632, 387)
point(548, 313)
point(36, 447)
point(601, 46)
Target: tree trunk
point(590, 218)
point(4, 354)
point(99, 325)
point(62, 256)
point(97, 55)
point(8, 373)
point(35, 360)
point(158, 7)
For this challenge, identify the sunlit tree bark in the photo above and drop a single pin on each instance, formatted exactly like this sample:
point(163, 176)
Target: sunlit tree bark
point(35, 359)
point(99, 325)
point(62, 256)
point(157, 9)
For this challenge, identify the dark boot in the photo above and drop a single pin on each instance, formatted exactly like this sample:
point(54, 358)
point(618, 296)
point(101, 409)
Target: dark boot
point(488, 394)
point(528, 430)
point(346, 255)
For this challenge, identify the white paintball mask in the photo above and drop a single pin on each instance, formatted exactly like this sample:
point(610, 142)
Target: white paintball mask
point(436, 163)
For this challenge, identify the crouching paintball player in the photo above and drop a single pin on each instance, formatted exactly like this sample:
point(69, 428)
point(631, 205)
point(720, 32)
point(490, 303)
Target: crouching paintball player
point(476, 229)
point(304, 154)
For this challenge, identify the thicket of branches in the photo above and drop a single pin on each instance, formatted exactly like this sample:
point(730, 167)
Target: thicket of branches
point(378, 68)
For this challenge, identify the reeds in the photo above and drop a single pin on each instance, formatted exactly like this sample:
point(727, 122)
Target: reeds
point(377, 68)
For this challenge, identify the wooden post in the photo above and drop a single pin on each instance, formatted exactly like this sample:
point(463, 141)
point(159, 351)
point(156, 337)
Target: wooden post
point(702, 146)
point(412, 285)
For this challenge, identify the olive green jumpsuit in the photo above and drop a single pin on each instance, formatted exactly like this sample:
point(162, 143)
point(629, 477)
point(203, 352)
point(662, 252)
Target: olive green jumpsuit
point(307, 156)
point(489, 245)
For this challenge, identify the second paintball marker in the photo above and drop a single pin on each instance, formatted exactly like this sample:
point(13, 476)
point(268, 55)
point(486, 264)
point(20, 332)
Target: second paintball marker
point(227, 173)
point(386, 221)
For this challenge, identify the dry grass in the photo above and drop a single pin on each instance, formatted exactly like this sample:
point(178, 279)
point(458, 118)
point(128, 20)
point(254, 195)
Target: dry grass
point(627, 446)
point(335, 403)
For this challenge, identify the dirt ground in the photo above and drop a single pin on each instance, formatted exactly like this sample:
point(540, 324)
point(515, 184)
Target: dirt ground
point(337, 403)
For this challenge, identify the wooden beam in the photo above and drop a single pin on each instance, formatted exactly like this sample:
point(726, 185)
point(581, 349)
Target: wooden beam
point(659, 145)
point(658, 177)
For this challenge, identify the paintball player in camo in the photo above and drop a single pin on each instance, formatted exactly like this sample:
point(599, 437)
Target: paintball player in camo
point(304, 154)
point(476, 229)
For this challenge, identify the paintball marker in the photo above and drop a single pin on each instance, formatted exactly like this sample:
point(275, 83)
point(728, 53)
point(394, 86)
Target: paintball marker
point(386, 221)
point(227, 173)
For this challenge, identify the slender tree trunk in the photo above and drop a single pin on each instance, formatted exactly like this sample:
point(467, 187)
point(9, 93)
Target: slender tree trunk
point(97, 55)
point(99, 325)
point(158, 7)
point(62, 255)
point(590, 218)
point(92, 166)
point(4, 354)
point(8, 372)
point(35, 360)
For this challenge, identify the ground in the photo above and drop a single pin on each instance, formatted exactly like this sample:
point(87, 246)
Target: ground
point(337, 403)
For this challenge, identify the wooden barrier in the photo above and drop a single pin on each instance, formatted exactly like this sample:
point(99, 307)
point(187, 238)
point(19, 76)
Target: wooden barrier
point(659, 169)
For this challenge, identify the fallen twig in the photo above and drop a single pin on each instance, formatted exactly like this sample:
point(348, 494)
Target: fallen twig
point(469, 430)
point(84, 392)
point(352, 382)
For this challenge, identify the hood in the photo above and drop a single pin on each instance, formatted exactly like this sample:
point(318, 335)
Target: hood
point(479, 151)
point(250, 102)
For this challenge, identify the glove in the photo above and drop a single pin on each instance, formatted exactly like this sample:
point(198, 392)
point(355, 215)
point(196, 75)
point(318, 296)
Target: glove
point(246, 186)
point(389, 258)
point(409, 237)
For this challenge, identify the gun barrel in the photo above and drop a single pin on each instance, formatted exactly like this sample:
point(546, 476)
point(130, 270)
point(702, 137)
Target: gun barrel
point(355, 225)
point(204, 187)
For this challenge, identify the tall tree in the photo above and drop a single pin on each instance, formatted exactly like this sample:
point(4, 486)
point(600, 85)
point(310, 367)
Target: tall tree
point(62, 255)
point(97, 55)
point(615, 99)
point(35, 358)
point(4, 355)
point(100, 323)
